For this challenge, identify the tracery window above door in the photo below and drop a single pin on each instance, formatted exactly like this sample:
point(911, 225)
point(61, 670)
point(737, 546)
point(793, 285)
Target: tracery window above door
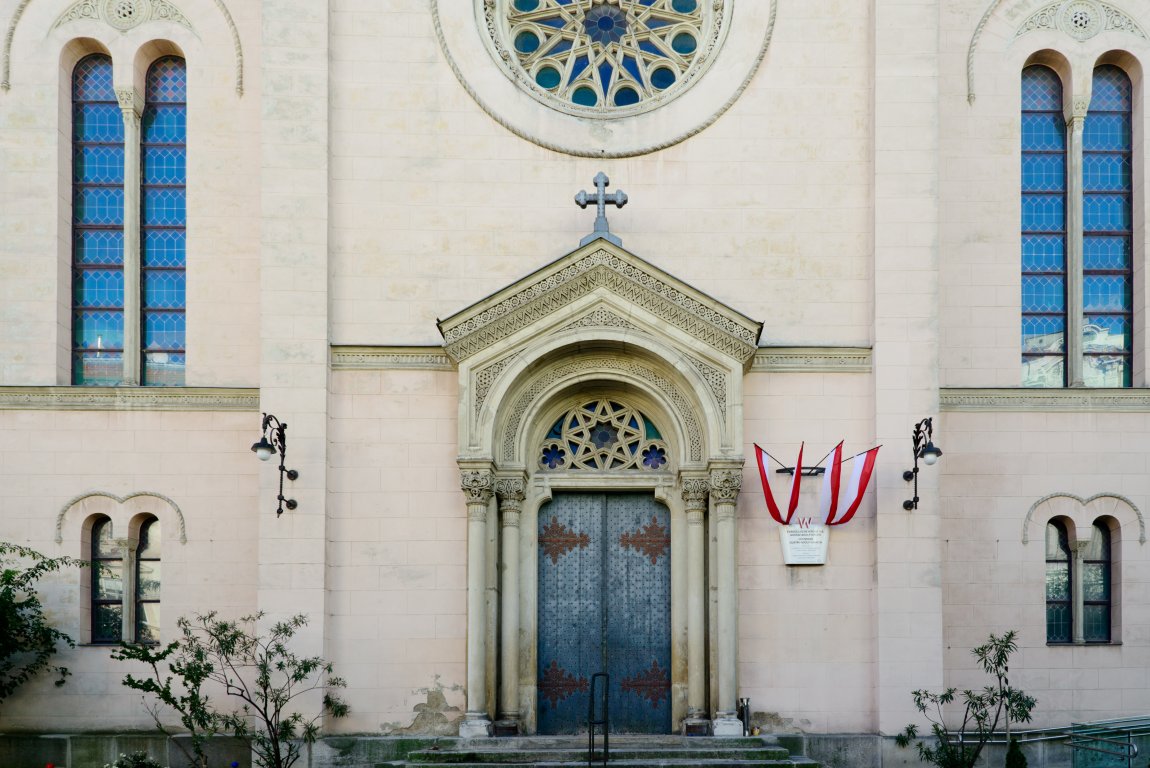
point(603, 435)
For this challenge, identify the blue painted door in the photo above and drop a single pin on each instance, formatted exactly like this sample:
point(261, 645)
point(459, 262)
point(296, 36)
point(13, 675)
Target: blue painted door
point(604, 606)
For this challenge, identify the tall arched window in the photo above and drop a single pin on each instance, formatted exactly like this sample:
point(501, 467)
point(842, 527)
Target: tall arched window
point(1096, 586)
point(107, 584)
point(164, 220)
point(97, 225)
point(1043, 229)
point(1059, 612)
point(147, 587)
point(1107, 232)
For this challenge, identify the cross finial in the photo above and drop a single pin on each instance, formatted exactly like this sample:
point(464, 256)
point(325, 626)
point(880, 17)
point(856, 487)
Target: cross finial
point(601, 198)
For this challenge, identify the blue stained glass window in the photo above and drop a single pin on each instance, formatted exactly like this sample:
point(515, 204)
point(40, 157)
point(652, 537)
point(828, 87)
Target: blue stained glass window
point(1107, 227)
point(97, 225)
point(1043, 230)
point(163, 236)
point(1096, 586)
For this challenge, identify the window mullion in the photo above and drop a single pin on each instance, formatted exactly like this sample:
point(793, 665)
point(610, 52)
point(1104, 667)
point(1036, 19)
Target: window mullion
point(1074, 300)
point(131, 106)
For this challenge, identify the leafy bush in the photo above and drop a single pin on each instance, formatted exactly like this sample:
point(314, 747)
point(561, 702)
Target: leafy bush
point(1014, 756)
point(134, 760)
point(983, 710)
point(27, 641)
point(260, 670)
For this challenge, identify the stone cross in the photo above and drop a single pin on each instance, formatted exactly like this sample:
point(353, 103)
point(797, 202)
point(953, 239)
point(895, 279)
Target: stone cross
point(618, 199)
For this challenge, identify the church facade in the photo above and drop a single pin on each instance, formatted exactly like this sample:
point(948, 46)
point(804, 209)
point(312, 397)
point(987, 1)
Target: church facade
point(521, 428)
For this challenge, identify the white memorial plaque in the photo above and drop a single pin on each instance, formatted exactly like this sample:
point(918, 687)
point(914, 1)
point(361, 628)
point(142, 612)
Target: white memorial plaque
point(804, 546)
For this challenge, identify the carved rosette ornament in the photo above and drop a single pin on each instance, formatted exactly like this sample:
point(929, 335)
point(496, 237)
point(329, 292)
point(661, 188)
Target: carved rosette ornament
point(725, 485)
point(124, 14)
point(477, 486)
point(1080, 19)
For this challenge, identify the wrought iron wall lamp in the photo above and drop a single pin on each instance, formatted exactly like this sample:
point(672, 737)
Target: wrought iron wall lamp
point(276, 430)
point(923, 449)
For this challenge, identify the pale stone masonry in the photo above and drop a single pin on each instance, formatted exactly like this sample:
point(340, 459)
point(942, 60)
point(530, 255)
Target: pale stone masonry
point(821, 243)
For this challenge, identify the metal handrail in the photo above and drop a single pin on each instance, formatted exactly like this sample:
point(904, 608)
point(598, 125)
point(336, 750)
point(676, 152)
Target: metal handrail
point(1109, 737)
point(592, 721)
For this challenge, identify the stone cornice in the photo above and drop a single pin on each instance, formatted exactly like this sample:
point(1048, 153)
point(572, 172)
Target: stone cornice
point(599, 266)
point(1025, 399)
point(383, 358)
point(129, 399)
point(812, 360)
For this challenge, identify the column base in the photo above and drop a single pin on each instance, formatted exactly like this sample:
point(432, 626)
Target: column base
point(508, 726)
point(694, 725)
point(475, 725)
point(726, 724)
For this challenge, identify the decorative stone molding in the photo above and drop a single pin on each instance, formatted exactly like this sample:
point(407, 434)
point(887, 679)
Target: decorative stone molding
point(1081, 19)
point(1025, 399)
point(725, 485)
point(123, 15)
point(485, 377)
point(1117, 497)
point(383, 358)
point(469, 49)
point(575, 276)
point(812, 360)
point(600, 318)
point(119, 500)
point(131, 101)
point(477, 485)
point(128, 399)
point(607, 364)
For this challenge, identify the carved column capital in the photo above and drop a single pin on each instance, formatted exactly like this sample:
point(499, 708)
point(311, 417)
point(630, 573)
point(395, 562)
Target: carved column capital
point(477, 485)
point(131, 102)
point(511, 491)
point(695, 491)
point(725, 485)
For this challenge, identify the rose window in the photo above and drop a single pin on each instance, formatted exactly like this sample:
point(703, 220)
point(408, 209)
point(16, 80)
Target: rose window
point(603, 435)
point(607, 57)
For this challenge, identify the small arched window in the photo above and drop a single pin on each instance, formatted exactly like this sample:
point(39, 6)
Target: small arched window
point(147, 587)
point(107, 584)
point(1096, 586)
point(1059, 598)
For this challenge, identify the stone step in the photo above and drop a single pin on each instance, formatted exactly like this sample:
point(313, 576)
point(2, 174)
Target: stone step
point(619, 752)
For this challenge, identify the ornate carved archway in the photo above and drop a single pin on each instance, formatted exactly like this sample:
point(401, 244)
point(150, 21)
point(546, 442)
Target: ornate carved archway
point(598, 325)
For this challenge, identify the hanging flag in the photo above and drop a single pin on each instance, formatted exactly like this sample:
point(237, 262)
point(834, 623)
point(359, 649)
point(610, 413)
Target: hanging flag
point(772, 507)
point(829, 498)
point(856, 486)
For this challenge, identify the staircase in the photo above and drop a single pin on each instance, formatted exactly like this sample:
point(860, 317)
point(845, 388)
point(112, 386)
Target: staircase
point(626, 752)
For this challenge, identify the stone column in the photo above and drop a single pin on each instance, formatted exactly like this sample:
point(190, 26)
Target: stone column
point(477, 488)
point(695, 497)
point(511, 491)
point(725, 485)
point(131, 107)
point(1074, 127)
point(1077, 599)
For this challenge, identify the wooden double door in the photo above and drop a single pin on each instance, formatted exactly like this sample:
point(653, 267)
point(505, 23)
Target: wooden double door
point(604, 606)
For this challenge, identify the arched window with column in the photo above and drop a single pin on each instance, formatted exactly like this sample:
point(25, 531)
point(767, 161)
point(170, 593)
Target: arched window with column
point(147, 583)
point(1059, 594)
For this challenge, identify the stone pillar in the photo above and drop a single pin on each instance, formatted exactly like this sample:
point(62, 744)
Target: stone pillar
point(1078, 609)
point(131, 107)
point(695, 497)
point(477, 488)
point(1074, 127)
point(724, 489)
point(511, 491)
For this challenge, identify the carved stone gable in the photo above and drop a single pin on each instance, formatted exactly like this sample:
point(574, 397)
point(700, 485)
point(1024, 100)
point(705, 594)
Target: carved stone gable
point(599, 267)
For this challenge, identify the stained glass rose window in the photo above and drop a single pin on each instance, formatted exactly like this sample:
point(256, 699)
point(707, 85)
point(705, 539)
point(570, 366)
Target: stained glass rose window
point(605, 58)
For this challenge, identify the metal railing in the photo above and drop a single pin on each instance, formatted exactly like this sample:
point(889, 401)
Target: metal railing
point(1111, 738)
point(604, 720)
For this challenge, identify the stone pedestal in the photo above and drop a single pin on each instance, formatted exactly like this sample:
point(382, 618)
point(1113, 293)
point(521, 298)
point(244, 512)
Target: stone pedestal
point(726, 724)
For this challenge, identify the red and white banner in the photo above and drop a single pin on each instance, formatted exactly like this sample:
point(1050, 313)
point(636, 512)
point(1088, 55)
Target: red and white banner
point(835, 507)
